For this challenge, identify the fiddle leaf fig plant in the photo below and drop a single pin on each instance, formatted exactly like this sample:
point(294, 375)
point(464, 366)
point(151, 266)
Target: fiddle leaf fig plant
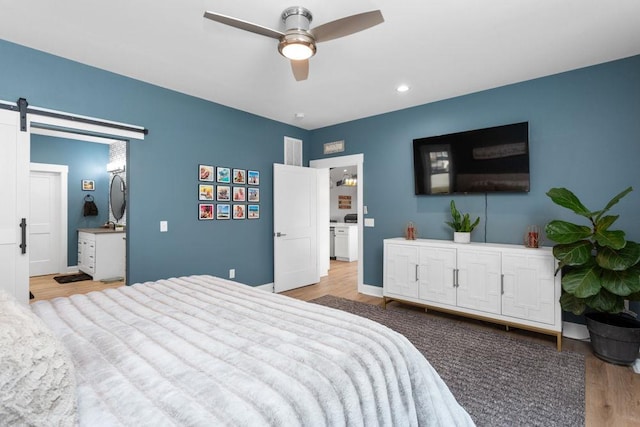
point(600, 267)
point(461, 223)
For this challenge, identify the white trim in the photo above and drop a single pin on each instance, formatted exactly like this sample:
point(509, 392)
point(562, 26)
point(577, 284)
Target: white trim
point(374, 291)
point(350, 160)
point(35, 130)
point(62, 127)
point(268, 287)
point(63, 171)
point(87, 127)
point(575, 331)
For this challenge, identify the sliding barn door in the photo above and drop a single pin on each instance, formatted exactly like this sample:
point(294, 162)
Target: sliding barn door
point(14, 199)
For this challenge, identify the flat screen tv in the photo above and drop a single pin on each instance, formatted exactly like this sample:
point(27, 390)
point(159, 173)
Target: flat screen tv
point(487, 160)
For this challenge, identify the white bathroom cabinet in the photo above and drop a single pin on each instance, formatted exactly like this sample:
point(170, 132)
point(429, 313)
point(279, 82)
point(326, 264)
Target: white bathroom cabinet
point(101, 253)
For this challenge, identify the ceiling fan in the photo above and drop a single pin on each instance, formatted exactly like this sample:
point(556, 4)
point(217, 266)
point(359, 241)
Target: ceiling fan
point(298, 42)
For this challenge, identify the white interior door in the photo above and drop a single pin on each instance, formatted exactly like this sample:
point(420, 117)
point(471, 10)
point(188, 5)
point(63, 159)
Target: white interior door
point(295, 244)
point(14, 194)
point(44, 230)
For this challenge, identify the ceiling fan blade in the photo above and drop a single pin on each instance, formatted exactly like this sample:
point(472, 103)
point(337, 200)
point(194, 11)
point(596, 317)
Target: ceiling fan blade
point(243, 25)
point(345, 26)
point(300, 69)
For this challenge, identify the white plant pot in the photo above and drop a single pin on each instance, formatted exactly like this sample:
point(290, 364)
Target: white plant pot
point(461, 237)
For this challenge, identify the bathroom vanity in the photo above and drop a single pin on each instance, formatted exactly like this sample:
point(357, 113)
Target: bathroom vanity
point(101, 253)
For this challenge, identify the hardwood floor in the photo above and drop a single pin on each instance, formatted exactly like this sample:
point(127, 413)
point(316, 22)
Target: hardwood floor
point(612, 393)
point(44, 287)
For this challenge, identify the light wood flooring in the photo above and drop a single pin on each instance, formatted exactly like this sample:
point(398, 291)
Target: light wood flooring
point(612, 392)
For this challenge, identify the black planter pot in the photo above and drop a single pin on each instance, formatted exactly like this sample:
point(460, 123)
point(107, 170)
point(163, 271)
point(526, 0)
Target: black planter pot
point(615, 338)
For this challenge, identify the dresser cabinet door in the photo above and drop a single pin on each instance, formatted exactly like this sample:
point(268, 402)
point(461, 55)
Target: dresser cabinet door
point(401, 270)
point(436, 275)
point(529, 287)
point(479, 280)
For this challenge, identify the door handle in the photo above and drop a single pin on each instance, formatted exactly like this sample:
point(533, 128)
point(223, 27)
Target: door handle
point(417, 277)
point(279, 234)
point(502, 284)
point(23, 245)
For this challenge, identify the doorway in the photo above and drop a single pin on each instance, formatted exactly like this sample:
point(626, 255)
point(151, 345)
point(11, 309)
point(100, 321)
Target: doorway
point(57, 197)
point(339, 164)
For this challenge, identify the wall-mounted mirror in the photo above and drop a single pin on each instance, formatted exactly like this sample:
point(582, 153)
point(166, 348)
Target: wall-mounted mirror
point(117, 197)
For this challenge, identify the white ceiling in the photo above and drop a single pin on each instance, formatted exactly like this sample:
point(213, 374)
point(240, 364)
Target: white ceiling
point(440, 48)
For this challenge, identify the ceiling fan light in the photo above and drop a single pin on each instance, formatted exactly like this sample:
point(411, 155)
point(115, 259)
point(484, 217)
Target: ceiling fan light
point(297, 46)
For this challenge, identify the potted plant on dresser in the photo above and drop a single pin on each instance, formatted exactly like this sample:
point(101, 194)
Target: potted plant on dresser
point(461, 224)
point(600, 270)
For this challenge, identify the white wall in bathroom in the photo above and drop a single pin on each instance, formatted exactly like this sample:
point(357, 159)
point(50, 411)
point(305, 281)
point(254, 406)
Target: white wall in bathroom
point(118, 153)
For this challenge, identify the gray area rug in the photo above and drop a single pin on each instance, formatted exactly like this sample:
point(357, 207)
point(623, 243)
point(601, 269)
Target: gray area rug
point(500, 380)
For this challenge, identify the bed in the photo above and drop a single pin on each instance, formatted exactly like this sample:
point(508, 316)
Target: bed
point(204, 351)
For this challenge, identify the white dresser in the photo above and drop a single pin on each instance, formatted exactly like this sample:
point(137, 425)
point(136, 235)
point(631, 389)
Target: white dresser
point(506, 284)
point(101, 253)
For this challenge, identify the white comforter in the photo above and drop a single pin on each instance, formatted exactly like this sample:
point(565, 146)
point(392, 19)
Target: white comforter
point(205, 351)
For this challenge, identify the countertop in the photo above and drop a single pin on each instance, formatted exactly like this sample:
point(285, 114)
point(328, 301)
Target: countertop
point(101, 230)
point(343, 224)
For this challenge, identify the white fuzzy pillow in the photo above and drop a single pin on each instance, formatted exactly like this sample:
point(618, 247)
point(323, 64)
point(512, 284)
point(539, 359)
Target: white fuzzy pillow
point(37, 377)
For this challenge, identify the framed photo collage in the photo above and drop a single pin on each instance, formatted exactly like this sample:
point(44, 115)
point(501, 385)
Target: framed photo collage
point(228, 193)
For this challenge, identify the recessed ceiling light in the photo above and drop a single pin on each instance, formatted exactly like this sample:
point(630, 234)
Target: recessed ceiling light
point(299, 115)
point(402, 88)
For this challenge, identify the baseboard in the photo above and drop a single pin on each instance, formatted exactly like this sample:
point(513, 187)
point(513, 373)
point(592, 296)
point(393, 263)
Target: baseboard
point(72, 269)
point(575, 331)
point(266, 287)
point(374, 291)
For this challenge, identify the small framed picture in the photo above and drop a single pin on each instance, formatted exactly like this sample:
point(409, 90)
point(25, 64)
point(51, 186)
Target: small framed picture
point(239, 194)
point(88, 185)
point(239, 176)
point(205, 192)
point(205, 211)
point(253, 178)
point(239, 212)
point(223, 211)
point(253, 194)
point(223, 193)
point(253, 211)
point(205, 173)
point(223, 175)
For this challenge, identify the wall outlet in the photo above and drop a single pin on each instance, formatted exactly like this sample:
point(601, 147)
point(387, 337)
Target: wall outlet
point(164, 226)
point(369, 222)
point(232, 273)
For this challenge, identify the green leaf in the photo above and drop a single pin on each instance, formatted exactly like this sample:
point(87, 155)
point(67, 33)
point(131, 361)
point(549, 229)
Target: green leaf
point(614, 201)
point(571, 303)
point(475, 223)
point(605, 222)
point(606, 302)
point(577, 253)
point(454, 213)
point(613, 239)
point(465, 223)
point(622, 259)
point(582, 281)
point(621, 283)
point(566, 232)
point(566, 199)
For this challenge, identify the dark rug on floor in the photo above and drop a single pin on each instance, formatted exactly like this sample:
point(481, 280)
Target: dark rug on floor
point(70, 278)
point(499, 379)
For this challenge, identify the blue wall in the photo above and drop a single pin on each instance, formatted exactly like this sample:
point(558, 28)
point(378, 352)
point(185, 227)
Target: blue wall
point(584, 134)
point(86, 161)
point(162, 170)
point(584, 131)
